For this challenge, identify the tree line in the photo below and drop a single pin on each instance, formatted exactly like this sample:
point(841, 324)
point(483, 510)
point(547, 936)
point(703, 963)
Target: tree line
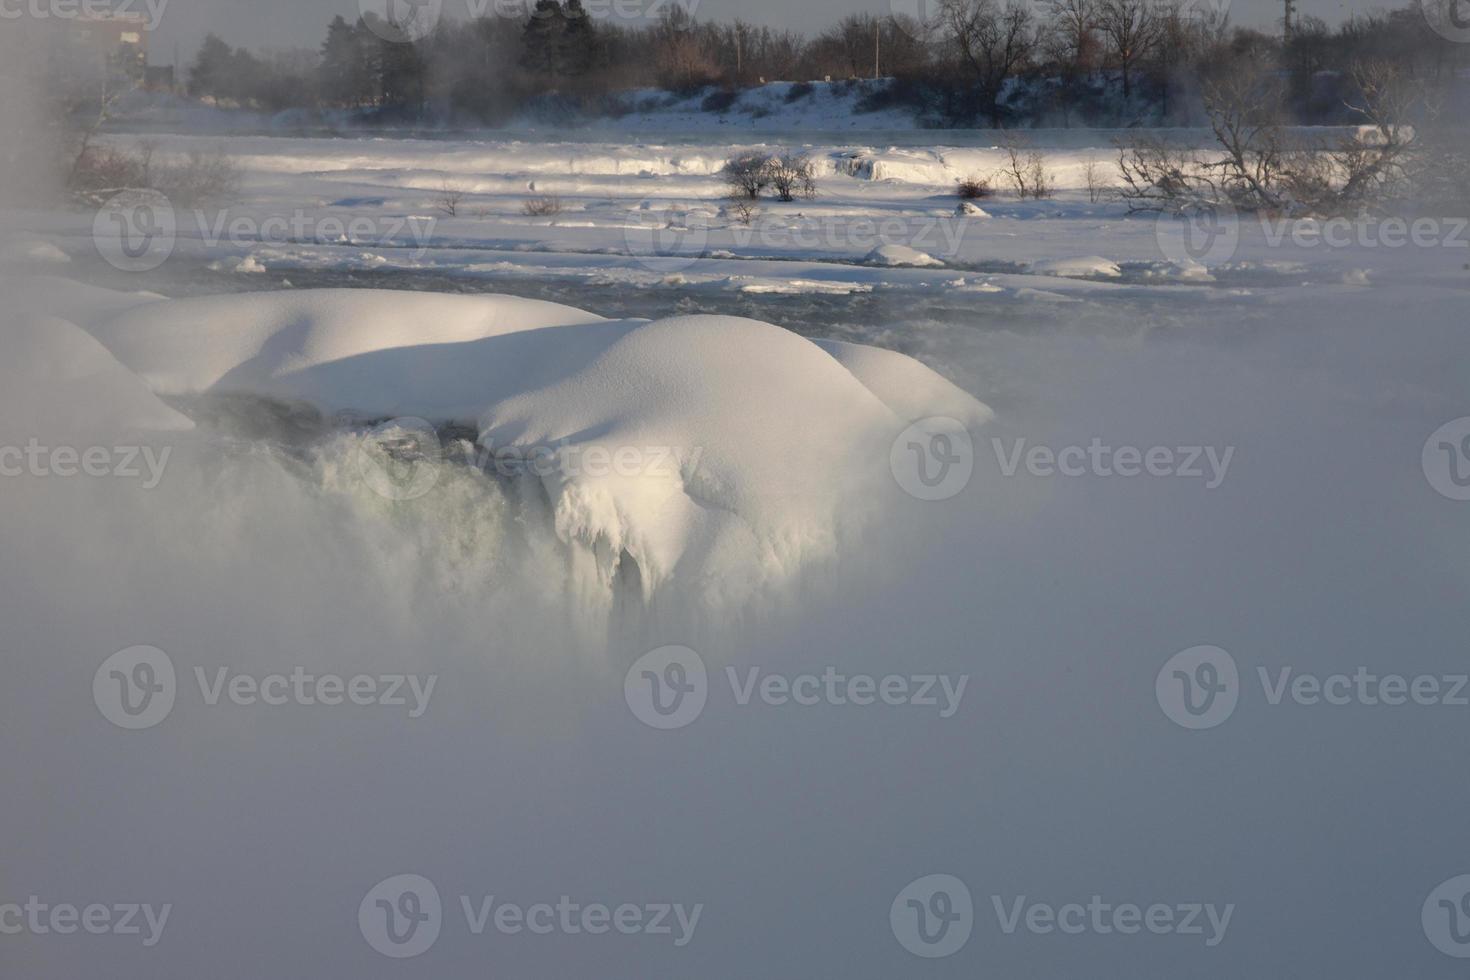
point(970, 62)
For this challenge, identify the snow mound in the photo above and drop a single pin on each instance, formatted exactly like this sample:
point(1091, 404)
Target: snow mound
point(246, 264)
point(721, 451)
point(32, 251)
point(306, 344)
point(893, 256)
point(60, 382)
point(1087, 265)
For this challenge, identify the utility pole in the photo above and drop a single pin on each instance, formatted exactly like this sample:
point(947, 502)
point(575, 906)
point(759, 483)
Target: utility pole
point(1286, 20)
point(877, 34)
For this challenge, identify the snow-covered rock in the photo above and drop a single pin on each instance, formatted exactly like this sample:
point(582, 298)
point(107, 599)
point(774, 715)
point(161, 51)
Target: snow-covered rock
point(1083, 266)
point(56, 381)
point(899, 255)
point(969, 209)
point(717, 449)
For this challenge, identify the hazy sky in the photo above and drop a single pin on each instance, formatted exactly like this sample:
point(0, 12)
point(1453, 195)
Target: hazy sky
point(302, 23)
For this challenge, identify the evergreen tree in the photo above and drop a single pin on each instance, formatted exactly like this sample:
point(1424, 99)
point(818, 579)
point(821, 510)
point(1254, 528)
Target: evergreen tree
point(541, 38)
point(210, 72)
point(578, 48)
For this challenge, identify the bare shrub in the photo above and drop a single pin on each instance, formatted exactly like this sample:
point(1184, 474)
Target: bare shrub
point(542, 207)
point(1092, 174)
point(791, 174)
point(746, 175)
point(449, 197)
point(741, 210)
point(198, 178)
point(1025, 170)
point(1256, 169)
point(101, 169)
point(973, 188)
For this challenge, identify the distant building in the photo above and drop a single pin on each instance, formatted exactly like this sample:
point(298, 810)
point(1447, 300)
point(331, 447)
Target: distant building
point(107, 48)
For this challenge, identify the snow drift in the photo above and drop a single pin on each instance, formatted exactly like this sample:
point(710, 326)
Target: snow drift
point(742, 451)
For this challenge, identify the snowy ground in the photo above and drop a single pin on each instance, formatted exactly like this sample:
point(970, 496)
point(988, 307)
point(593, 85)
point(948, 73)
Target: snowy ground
point(1320, 526)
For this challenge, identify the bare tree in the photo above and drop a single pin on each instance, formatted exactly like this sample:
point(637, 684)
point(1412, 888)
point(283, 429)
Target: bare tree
point(992, 42)
point(747, 174)
point(450, 194)
point(1025, 169)
point(1092, 173)
point(1131, 28)
point(791, 174)
point(1070, 29)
